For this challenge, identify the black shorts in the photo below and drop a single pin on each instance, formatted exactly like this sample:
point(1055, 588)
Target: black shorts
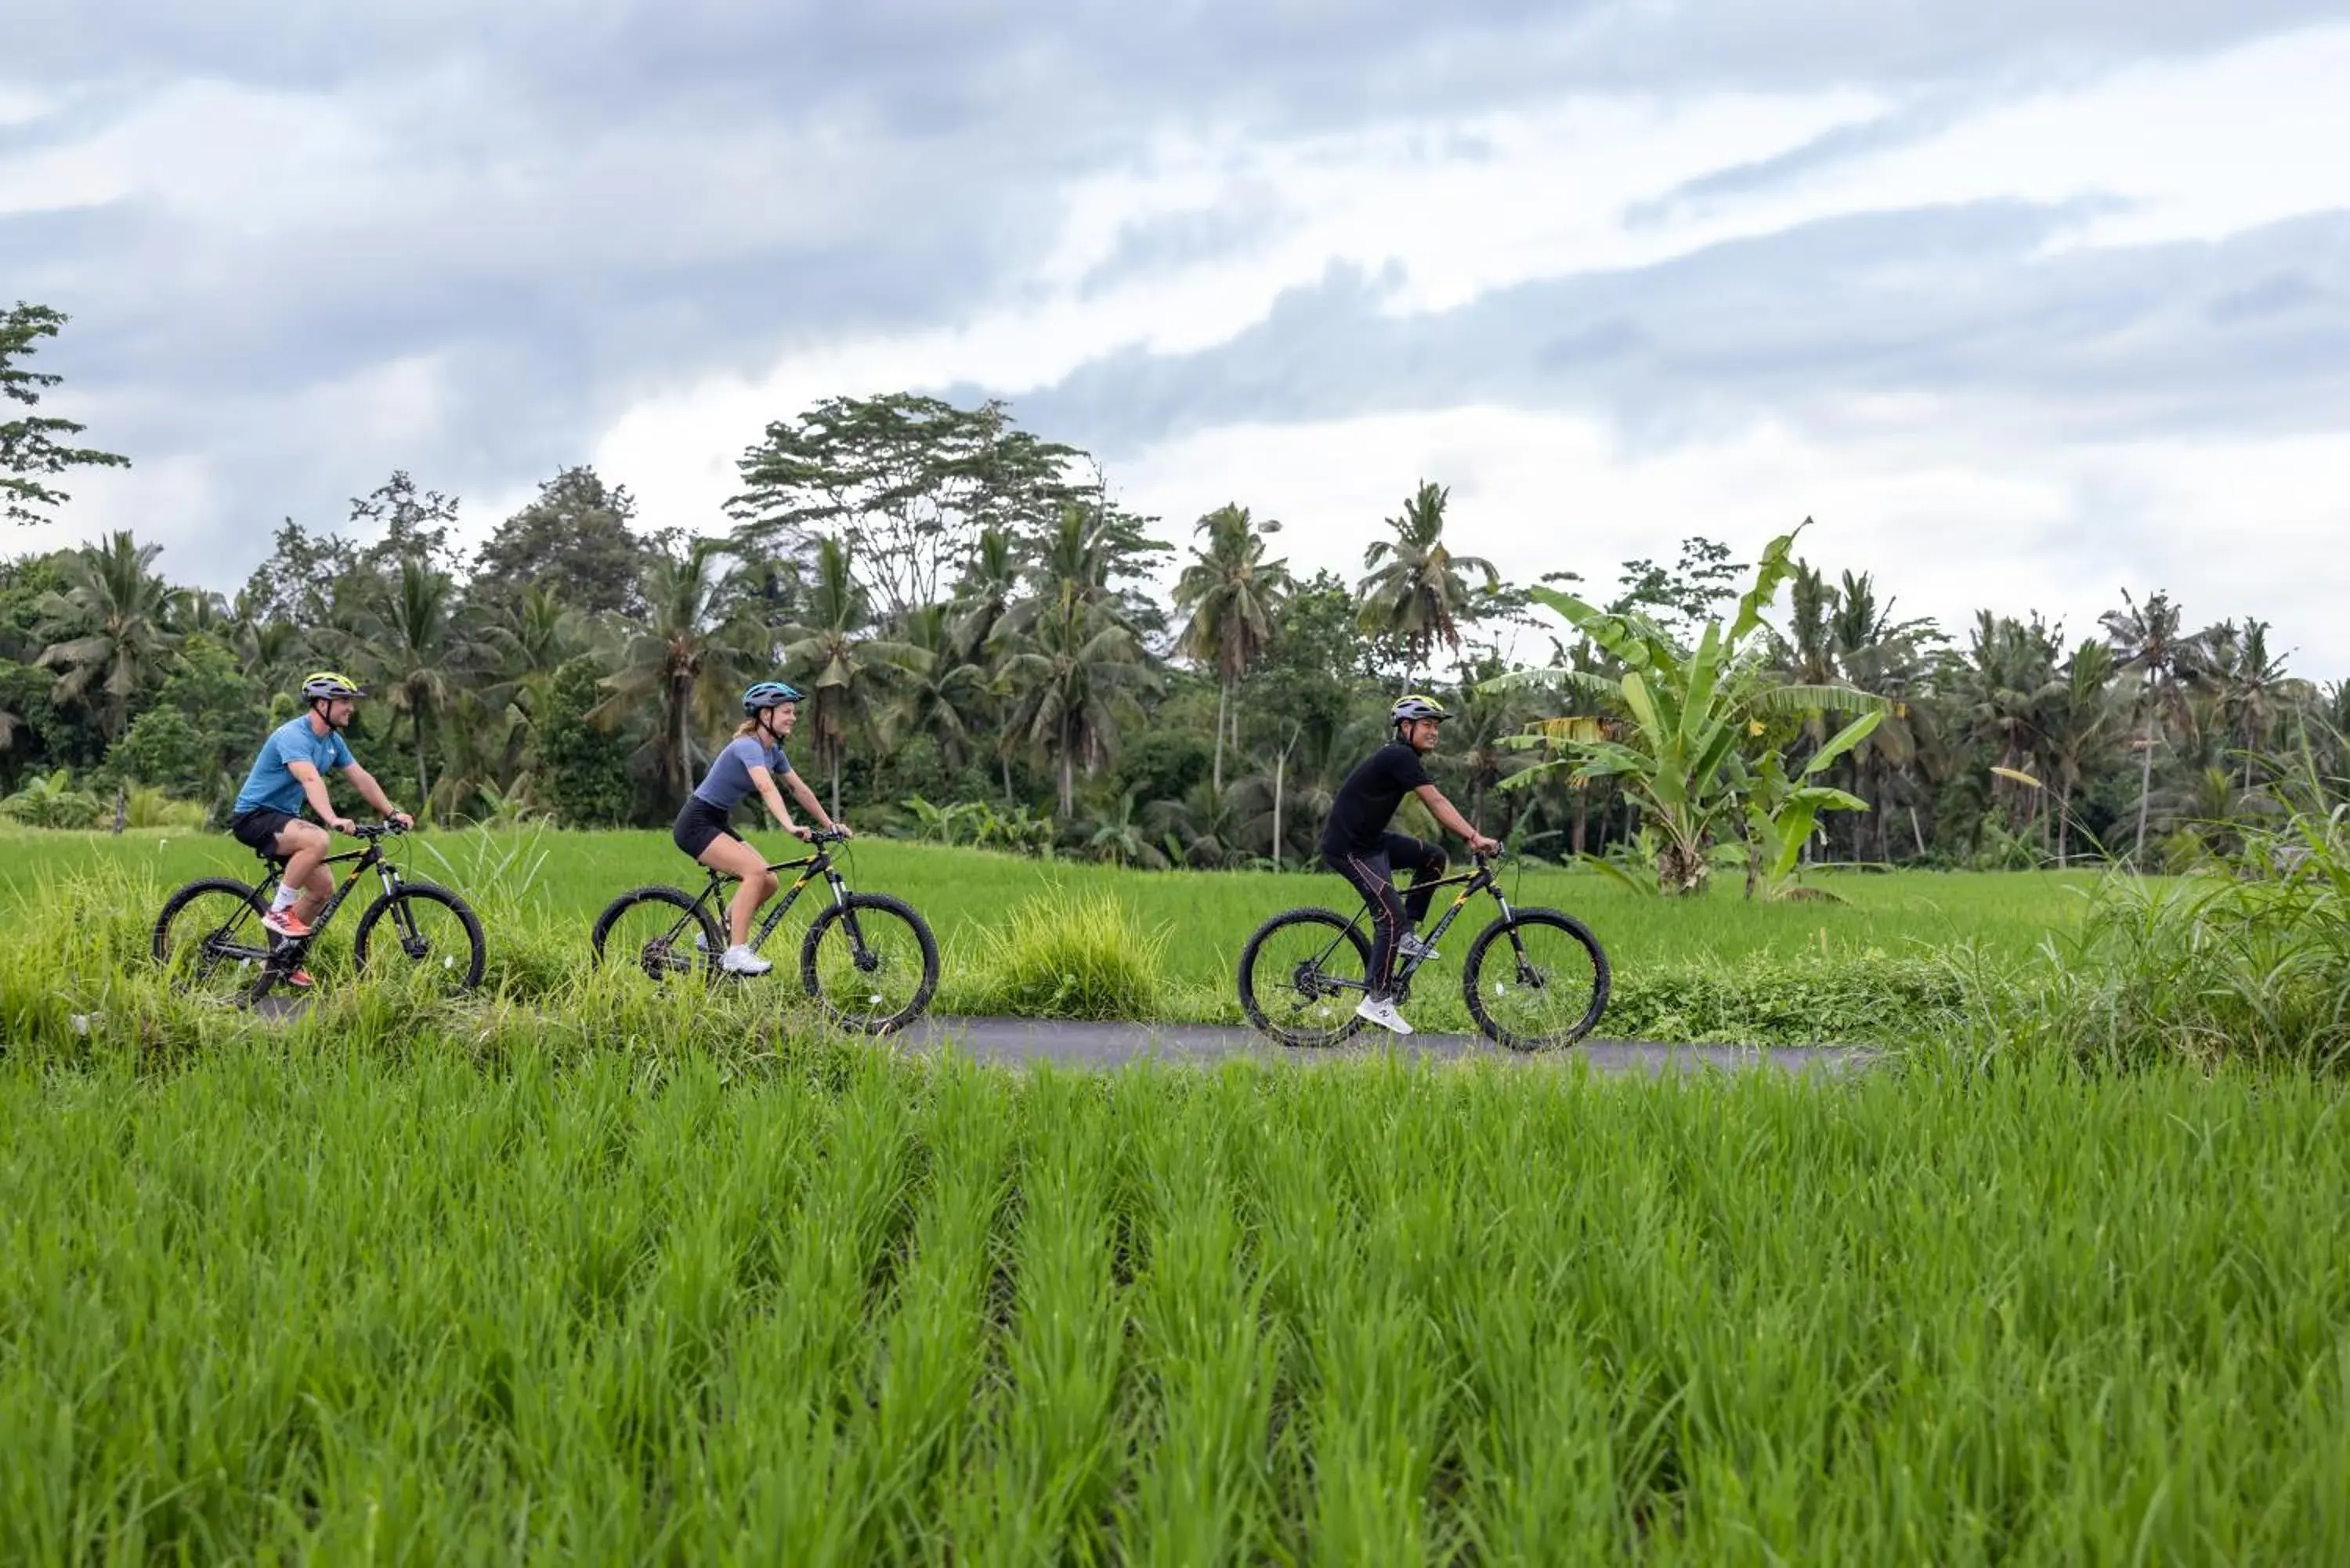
point(258, 829)
point(699, 822)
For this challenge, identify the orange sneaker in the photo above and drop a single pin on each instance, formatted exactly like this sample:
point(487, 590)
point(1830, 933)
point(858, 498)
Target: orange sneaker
point(299, 979)
point(285, 922)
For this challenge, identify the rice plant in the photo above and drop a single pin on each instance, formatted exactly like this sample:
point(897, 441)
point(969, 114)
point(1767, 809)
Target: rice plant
point(477, 1292)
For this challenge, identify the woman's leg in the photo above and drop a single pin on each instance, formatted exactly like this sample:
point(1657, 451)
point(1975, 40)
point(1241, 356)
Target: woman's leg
point(730, 855)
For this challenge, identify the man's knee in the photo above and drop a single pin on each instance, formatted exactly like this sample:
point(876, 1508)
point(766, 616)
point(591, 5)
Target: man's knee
point(301, 838)
point(767, 882)
point(1437, 859)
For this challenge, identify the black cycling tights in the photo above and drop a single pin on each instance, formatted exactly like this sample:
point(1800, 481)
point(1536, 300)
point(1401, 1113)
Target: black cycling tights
point(1392, 914)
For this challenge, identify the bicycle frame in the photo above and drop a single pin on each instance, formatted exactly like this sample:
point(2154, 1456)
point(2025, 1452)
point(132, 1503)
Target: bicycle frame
point(282, 955)
point(820, 864)
point(1483, 878)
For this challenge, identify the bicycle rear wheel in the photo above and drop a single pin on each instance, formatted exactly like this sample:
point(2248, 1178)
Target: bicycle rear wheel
point(431, 927)
point(1300, 976)
point(870, 962)
point(658, 936)
point(209, 939)
point(1538, 978)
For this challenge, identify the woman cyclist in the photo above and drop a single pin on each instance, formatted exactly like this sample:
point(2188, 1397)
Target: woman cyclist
point(750, 762)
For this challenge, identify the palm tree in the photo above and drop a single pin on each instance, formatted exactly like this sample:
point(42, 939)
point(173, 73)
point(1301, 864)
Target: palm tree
point(1197, 830)
point(110, 626)
point(1120, 839)
point(1812, 604)
point(1415, 589)
point(1070, 659)
point(1295, 783)
point(1233, 593)
point(2078, 713)
point(1885, 658)
point(265, 647)
point(943, 688)
point(689, 656)
point(2249, 685)
point(2151, 640)
point(1482, 719)
point(989, 584)
point(423, 648)
point(832, 656)
point(2010, 664)
point(1066, 676)
point(198, 610)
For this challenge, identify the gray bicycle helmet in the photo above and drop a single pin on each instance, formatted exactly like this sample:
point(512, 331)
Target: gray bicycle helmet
point(768, 694)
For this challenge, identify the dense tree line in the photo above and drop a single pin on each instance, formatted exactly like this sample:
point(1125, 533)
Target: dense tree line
point(991, 659)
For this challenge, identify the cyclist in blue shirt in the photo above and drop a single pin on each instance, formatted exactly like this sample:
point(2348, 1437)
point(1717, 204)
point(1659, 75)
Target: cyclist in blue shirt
point(749, 763)
point(289, 773)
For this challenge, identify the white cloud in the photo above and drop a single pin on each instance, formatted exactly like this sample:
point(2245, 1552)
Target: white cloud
point(2188, 149)
point(391, 178)
point(2196, 148)
point(1947, 525)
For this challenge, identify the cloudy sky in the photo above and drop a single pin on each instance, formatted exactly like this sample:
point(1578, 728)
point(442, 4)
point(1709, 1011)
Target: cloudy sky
point(2025, 303)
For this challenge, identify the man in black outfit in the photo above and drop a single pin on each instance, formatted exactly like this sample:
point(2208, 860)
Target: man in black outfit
point(1356, 845)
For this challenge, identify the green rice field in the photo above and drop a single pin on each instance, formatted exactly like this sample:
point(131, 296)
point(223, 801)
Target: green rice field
point(380, 1303)
point(566, 1273)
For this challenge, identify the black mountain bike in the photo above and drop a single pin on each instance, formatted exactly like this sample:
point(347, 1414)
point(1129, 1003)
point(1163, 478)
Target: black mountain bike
point(869, 960)
point(1534, 977)
point(210, 937)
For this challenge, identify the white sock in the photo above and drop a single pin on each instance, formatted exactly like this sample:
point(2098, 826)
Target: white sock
point(285, 899)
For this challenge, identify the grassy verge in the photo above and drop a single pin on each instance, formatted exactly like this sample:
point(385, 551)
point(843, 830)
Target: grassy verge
point(340, 1291)
point(1707, 969)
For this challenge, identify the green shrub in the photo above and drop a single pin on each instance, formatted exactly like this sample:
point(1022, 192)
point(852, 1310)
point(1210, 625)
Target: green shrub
point(2247, 959)
point(1063, 955)
point(148, 807)
point(1764, 999)
point(53, 801)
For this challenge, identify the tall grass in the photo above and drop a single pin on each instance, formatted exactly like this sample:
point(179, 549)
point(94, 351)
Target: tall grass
point(1713, 968)
point(1059, 954)
point(2248, 959)
point(351, 1296)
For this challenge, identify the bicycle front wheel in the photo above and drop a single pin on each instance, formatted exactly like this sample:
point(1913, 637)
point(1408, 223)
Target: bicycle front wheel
point(430, 927)
point(1301, 975)
point(870, 962)
point(209, 939)
point(1538, 978)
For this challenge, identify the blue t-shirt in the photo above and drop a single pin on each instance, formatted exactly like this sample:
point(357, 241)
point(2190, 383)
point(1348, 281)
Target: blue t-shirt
point(729, 778)
point(271, 784)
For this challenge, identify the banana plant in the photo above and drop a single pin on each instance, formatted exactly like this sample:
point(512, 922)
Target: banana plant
point(1782, 808)
point(1689, 719)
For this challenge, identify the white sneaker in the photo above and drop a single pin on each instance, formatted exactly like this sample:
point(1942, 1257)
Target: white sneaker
point(1382, 1012)
point(739, 960)
point(1412, 947)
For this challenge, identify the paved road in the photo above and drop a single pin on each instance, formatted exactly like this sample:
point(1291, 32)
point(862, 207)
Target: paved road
point(1112, 1044)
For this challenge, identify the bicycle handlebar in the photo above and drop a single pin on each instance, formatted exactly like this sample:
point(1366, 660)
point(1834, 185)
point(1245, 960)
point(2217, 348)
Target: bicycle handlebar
point(372, 831)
